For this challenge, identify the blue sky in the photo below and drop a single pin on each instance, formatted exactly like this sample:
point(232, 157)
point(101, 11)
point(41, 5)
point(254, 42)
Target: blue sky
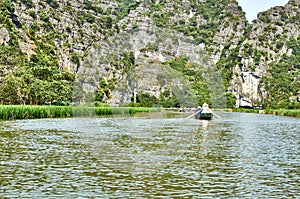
point(253, 7)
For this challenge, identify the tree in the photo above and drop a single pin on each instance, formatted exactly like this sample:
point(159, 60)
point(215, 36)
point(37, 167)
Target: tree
point(12, 90)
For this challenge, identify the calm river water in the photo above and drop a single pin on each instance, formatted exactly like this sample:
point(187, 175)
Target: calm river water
point(151, 156)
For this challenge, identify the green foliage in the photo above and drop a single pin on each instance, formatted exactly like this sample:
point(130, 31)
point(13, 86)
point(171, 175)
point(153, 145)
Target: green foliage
point(202, 32)
point(11, 112)
point(103, 89)
point(244, 110)
point(283, 112)
point(283, 80)
point(34, 112)
point(194, 92)
point(7, 9)
point(75, 58)
point(44, 16)
point(9, 56)
point(126, 63)
point(248, 50)
point(146, 100)
point(124, 7)
point(78, 93)
point(230, 98)
point(10, 90)
point(28, 3)
point(89, 5)
point(89, 17)
point(100, 104)
point(37, 81)
point(227, 62)
point(258, 54)
point(168, 100)
point(107, 22)
point(53, 3)
point(32, 13)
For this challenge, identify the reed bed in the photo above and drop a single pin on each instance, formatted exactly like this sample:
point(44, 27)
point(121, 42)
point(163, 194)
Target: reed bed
point(243, 110)
point(284, 112)
point(279, 112)
point(11, 112)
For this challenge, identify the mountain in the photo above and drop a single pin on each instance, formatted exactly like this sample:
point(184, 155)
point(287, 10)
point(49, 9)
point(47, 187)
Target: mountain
point(162, 52)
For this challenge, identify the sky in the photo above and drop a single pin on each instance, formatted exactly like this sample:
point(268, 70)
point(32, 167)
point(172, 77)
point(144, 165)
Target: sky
point(253, 7)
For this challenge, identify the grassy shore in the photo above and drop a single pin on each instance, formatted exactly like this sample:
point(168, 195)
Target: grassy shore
point(10, 112)
point(284, 112)
point(279, 112)
point(244, 110)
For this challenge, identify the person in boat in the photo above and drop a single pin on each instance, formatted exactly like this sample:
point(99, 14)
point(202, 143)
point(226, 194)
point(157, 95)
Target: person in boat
point(205, 108)
point(197, 111)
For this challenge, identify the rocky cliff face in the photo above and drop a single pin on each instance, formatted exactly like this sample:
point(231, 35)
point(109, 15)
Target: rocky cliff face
point(265, 43)
point(74, 27)
point(156, 38)
point(119, 48)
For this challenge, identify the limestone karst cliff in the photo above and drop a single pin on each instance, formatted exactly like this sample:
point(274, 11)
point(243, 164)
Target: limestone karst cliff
point(184, 51)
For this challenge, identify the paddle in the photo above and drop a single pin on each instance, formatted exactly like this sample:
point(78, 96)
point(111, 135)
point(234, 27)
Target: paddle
point(188, 117)
point(216, 115)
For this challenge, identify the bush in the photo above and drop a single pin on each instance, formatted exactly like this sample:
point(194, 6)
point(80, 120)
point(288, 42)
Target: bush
point(45, 17)
point(53, 3)
point(28, 3)
point(101, 104)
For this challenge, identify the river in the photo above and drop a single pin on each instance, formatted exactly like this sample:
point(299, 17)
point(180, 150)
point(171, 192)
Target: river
point(151, 156)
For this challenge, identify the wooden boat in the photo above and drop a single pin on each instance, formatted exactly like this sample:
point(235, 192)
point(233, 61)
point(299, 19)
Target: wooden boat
point(205, 113)
point(204, 116)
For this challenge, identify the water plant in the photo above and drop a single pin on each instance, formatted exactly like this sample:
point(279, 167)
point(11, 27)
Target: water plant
point(10, 112)
point(279, 112)
point(284, 112)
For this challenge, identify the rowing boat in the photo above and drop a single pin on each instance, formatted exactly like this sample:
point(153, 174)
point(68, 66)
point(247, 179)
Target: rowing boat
point(204, 116)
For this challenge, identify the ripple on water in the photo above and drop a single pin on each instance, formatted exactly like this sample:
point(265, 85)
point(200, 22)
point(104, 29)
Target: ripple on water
point(148, 158)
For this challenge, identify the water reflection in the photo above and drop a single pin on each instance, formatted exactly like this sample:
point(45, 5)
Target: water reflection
point(248, 156)
point(140, 145)
point(205, 124)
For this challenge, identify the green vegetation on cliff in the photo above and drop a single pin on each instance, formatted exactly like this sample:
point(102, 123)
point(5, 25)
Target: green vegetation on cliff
point(30, 80)
point(283, 80)
point(44, 49)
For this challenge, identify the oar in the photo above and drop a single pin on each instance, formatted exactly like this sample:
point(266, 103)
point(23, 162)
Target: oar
point(216, 115)
point(188, 117)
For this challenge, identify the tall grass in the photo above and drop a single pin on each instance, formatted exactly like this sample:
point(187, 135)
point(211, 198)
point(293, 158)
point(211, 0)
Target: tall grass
point(243, 110)
point(284, 112)
point(10, 112)
point(279, 112)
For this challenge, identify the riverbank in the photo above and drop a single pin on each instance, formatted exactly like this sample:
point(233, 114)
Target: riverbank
point(11, 112)
point(283, 112)
point(279, 112)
